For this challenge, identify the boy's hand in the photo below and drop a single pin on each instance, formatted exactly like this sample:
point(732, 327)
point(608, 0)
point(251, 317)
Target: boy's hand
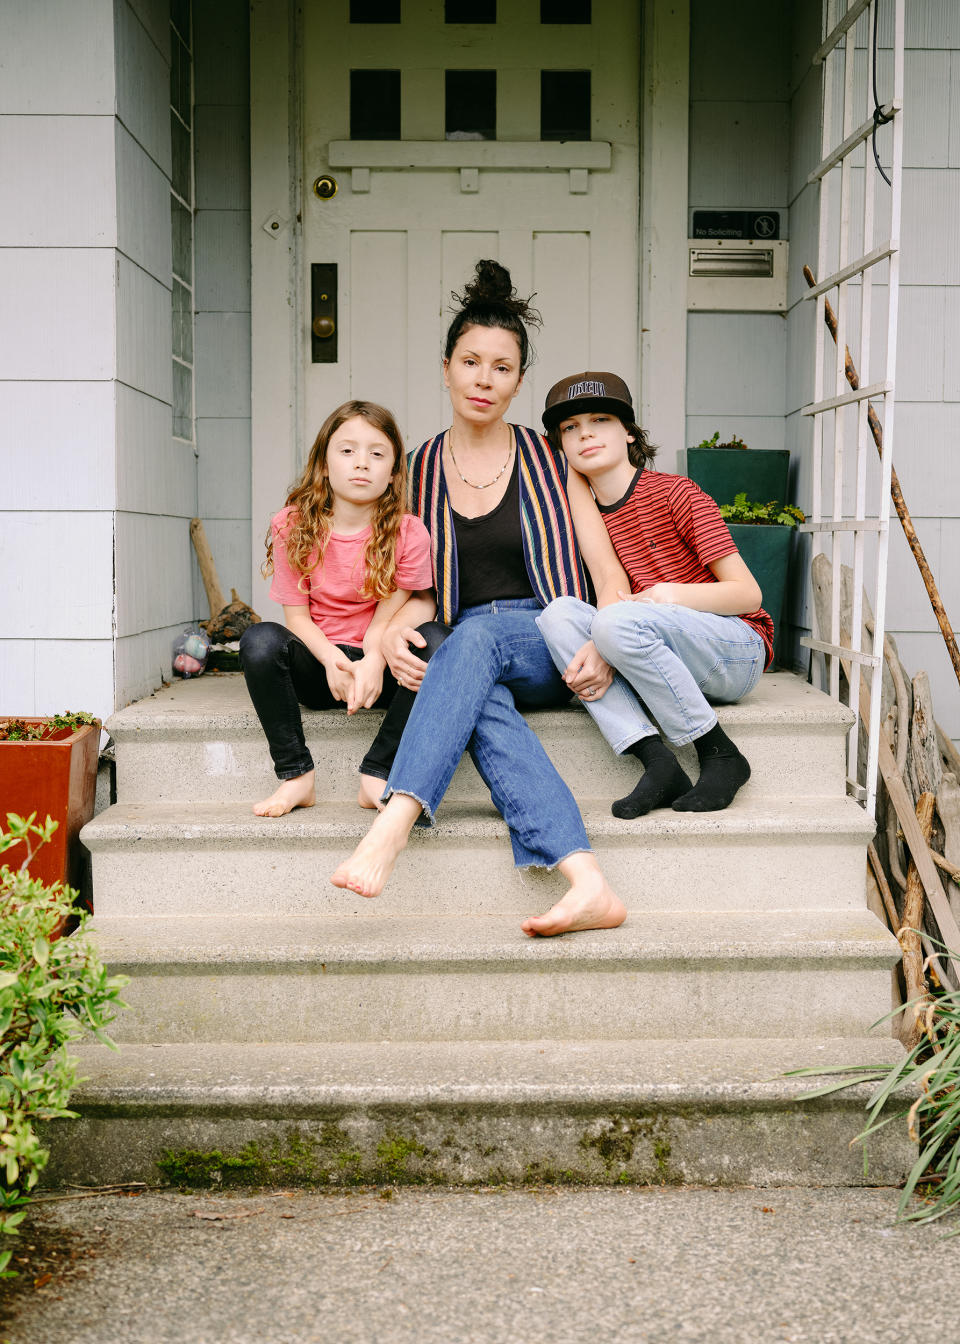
point(367, 682)
point(587, 674)
point(660, 592)
point(401, 660)
point(339, 671)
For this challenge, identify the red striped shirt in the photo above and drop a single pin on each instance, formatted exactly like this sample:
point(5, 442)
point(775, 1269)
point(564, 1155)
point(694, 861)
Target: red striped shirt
point(666, 530)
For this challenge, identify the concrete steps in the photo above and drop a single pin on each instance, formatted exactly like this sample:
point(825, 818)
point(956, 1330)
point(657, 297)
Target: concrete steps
point(598, 1111)
point(280, 1029)
point(343, 979)
point(205, 858)
point(201, 740)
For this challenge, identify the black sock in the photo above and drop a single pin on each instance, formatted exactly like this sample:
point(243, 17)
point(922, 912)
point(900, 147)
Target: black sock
point(723, 770)
point(662, 780)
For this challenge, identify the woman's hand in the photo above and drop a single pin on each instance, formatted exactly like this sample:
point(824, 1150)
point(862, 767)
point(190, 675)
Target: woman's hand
point(587, 674)
point(339, 670)
point(367, 682)
point(401, 658)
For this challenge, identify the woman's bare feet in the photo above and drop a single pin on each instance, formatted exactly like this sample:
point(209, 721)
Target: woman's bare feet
point(370, 792)
point(371, 863)
point(290, 793)
point(589, 904)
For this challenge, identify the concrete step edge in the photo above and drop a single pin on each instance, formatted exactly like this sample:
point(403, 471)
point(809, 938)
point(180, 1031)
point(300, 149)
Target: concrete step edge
point(820, 939)
point(221, 709)
point(211, 823)
point(285, 1079)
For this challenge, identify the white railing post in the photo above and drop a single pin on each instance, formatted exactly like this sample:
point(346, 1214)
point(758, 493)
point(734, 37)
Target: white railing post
point(854, 509)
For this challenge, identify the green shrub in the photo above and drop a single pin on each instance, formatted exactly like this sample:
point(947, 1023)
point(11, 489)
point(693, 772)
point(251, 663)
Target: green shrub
point(744, 510)
point(930, 1073)
point(52, 990)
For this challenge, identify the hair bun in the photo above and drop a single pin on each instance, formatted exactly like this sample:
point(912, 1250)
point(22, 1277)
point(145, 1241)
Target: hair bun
point(492, 283)
point(492, 287)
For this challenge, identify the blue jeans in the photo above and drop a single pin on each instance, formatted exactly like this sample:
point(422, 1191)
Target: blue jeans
point(677, 660)
point(494, 660)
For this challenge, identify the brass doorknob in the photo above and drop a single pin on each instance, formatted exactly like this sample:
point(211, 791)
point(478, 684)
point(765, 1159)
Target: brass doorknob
point(325, 187)
point(323, 328)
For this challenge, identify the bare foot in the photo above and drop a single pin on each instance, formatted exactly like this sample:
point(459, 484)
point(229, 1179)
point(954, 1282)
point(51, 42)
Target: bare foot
point(290, 793)
point(371, 863)
point(590, 903)
point(370, 792)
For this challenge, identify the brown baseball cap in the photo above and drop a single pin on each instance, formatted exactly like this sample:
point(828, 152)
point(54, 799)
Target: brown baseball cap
point(587, 392)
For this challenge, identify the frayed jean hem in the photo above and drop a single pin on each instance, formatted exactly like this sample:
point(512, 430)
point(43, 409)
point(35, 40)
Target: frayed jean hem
point(549, 867)
point(426, 817)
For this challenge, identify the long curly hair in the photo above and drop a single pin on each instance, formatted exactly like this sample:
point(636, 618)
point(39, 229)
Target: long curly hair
point(312, 500)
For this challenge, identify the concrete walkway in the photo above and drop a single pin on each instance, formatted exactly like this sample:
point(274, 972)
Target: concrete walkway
point(465, 1266)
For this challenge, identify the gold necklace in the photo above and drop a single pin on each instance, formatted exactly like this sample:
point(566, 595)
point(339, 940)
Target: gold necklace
point(472, 484)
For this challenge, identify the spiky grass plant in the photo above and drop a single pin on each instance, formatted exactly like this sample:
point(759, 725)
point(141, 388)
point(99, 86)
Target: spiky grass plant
point(931, 1073)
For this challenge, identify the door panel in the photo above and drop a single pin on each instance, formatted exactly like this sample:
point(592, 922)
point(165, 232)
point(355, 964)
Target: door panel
point(404, 236)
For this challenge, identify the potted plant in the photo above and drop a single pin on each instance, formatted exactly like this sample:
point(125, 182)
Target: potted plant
point(48, 768)
point(763, 534)
point(725, 470)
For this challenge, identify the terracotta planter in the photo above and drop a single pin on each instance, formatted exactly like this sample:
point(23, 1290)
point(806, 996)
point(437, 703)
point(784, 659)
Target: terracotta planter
point(55, 777)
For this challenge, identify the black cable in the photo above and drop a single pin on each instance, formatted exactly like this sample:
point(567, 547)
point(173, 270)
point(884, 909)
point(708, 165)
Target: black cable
point(879, 119)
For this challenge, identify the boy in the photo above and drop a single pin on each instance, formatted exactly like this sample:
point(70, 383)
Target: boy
point(689, 631)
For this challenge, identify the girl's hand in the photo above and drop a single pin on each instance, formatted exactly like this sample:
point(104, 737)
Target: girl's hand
point(367, 682)
point(660, 592)
point(339, 671)
point(587, 674)
point(401, 660)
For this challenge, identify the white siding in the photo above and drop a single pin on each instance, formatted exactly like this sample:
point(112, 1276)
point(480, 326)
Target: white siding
point(222, 277)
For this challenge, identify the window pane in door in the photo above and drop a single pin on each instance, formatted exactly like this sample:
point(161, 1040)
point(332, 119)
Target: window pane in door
point(374, 104)
point(565, 11)
point(471, 105)
point(470, 11)
point(564, 104)
point(374, 11)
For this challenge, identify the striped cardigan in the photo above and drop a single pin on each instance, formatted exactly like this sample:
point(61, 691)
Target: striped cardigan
point(549, 546)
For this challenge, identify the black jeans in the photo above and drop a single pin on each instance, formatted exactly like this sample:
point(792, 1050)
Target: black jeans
point(282, 674)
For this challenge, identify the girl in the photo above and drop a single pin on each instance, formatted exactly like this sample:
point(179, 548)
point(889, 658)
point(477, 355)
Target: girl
point(689, 628)
point(344, 557)
point(492, 495)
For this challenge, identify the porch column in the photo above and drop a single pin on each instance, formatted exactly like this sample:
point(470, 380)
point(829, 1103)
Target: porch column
point(663, 224)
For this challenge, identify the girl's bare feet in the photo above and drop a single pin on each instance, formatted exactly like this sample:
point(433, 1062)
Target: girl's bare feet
point(290, 793)
point(590, 903)
point(370, 792)
point(371, 863)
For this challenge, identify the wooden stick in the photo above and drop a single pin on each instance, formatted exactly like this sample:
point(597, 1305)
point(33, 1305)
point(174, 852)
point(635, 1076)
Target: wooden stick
point(208, 570)
point(883, 886)
point(909, 932)
point(896, 494)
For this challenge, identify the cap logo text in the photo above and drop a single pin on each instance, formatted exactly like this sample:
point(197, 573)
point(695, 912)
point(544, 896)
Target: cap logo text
point(590, 388)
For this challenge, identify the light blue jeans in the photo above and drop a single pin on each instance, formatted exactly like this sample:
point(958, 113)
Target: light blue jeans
point(494, 660)
point(677, 660)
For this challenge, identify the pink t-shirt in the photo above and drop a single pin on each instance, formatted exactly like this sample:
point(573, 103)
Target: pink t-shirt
point(332, 589)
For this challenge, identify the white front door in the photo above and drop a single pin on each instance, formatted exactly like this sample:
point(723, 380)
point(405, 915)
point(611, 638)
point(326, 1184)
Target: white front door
point(519, 142)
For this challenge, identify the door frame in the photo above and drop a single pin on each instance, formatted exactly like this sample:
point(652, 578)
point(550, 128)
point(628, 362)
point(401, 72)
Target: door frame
point(277, 248)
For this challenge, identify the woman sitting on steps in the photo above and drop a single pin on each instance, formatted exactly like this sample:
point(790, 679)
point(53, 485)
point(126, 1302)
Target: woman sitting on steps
point(493, 498)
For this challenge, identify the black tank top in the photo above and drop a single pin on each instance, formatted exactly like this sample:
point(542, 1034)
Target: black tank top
point(490, 561)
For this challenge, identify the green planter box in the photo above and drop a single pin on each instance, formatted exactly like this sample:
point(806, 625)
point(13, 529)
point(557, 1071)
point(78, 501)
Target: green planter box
point(760, 473)
point(766, 553)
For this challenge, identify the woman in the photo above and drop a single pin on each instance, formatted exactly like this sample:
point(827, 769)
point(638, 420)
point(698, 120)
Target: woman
point(492, 496)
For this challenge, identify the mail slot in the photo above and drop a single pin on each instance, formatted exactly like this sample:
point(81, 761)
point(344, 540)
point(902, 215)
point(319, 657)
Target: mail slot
point(731, 261)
